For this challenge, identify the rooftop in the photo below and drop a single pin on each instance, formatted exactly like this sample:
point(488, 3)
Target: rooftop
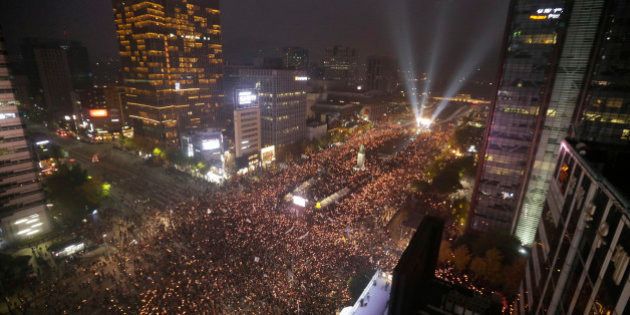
point(609, 161)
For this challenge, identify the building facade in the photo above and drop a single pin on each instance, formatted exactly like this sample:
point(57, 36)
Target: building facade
point(56, 80)
point(569, 83)
point(295, 58)
point(546, 59)
point(382, 74)
point(604, 114)
point(22, 204)
point(58, 71)
point(530, 53)
point(247, 133)
point(579, 261)
point(171, 57)
point(340, 64)
point(281, 96)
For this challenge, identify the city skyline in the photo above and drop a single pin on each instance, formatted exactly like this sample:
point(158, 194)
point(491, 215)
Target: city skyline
point(294, 27)
point(376, 157)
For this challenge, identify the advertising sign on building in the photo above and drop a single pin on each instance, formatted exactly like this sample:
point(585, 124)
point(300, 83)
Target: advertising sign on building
point(268, 155)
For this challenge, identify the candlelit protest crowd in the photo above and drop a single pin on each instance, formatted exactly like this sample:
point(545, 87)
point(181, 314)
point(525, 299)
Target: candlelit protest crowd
point(245, 249)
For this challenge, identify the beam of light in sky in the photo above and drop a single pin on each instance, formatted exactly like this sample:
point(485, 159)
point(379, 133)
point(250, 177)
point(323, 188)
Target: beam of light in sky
point(403, 39)
point(433, 60)
point(475, 56)
point(402, 35)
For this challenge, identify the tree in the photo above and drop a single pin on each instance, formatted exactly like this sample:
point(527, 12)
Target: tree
point(489, 268)
point(460, 208)
point(176, 156)
point(446, 181)
point(461, 257)
point(14, 273)
point(468, 135)
point(466, 166)
point(513, 274)
point(494, 267)
point(505, 243)
point(478, 267)
point(56, 152)
point(74, 193)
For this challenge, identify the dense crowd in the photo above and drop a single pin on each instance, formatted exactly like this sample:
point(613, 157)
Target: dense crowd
point(244, 249)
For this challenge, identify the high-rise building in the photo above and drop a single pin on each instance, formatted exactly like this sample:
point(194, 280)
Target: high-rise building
point(546, 59)
point(22, 207)
point(56, 71)
point(579, 262)
point(247, 133)
point(281, 96)
point(604, 113)
point(382, 74)
point(340, 64)
point(295, 58)
point(171, 57)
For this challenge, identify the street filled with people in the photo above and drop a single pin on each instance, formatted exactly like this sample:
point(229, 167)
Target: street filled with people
point(244, 248)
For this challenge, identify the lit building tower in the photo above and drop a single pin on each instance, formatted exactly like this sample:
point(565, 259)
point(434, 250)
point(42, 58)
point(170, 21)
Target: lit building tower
point(22, 207)
point(247, 138)
point(340, 64)
point(579, 261)
point(530, 54)
point(171, 58)
point(382, 74)
point(295, 58)
point(546, 61)
point(604, 113)
point(281, 96)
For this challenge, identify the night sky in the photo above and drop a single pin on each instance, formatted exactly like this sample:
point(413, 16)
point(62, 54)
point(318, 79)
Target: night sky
point(372, 26)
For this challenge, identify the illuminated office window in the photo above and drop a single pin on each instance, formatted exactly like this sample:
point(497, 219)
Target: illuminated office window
point(541, 39)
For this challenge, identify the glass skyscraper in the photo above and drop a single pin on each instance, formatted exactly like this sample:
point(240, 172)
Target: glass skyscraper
point(531, 50)
point(604, 115)
point(547, 60)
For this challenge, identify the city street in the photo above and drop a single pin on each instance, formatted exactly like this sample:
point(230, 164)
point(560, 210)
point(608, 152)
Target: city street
point(134, 183)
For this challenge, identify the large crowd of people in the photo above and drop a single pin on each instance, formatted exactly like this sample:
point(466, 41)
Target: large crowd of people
point(244, 249)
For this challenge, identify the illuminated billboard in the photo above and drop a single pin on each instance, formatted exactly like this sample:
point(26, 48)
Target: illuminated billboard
point(246, 97)
point(301, 78)
point(210, 144)
point(98, 113)
point(546, 13)
point(268, 154)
